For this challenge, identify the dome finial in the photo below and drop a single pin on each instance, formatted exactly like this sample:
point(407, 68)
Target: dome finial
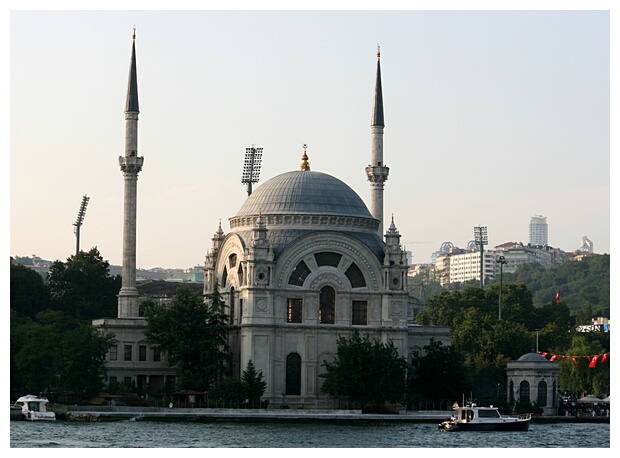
point(378, 52)
point(305, 165)
point(134, 33)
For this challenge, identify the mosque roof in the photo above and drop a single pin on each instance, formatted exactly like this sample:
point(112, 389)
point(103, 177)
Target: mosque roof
point(304, 192)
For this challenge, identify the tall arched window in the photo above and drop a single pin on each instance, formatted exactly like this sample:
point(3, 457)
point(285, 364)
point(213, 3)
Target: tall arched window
point(231, 318)
point(524, 391)
point(512, 391)
point(542, 394)
point(327, 305)
point(293, 374)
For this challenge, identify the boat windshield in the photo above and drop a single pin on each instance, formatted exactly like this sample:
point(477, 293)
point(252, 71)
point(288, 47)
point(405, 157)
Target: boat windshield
point(488, 413)
point(33, 406)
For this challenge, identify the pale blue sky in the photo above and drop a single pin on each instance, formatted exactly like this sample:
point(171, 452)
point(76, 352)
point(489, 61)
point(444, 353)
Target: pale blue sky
point(491, 117)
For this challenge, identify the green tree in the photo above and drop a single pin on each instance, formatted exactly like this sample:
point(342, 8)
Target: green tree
point(440, 374)
point(367, 372)
point(58, 355)
point(576, 376)
point(253, 383)
point(194, 334)
point(29, 295)
point(82, 286)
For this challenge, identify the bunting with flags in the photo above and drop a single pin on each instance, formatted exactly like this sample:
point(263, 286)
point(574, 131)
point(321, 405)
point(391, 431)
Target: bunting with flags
point(592, 360)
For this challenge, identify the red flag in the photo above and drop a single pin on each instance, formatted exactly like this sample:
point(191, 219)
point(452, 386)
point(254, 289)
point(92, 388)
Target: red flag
point(557, 297)
point(575, 361)
point(593, 362)
point(553, 358)
point(605, 358)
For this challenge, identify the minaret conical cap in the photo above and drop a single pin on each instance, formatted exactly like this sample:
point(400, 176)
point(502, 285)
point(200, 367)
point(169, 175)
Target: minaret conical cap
point(377, 114)
point(132, 85)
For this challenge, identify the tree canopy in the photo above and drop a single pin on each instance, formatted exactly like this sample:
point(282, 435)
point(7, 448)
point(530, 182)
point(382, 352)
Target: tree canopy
point(194, 334)
point(583, 285)
point(29, 295)
point(366, 371)
point(56, 355)
point(82, 286)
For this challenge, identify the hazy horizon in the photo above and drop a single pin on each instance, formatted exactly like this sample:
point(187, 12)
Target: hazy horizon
point(491, 117)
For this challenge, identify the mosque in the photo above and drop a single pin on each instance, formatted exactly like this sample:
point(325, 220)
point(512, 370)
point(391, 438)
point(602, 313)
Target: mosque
point(304, 263)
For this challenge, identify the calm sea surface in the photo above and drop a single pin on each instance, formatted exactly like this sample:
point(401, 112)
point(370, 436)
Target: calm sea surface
point(134, 434)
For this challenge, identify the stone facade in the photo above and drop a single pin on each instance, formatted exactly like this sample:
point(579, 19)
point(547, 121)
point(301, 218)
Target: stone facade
point(534, 379)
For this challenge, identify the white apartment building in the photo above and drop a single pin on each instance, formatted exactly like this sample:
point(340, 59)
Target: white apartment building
point(460, 265)
point(464, 266)
point(539, 233)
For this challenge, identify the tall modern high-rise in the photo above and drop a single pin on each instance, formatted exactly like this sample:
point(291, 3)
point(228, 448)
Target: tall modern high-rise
point(130, 165)
point(538, 230)
point(377, 172)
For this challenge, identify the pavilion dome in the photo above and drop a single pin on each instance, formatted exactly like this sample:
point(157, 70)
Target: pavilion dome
point(532, 357)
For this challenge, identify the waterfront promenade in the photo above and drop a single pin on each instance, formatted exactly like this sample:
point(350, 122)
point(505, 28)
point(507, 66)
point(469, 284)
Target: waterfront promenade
point(87, 413)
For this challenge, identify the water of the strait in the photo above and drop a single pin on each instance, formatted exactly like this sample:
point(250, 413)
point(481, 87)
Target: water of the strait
point(135, 434)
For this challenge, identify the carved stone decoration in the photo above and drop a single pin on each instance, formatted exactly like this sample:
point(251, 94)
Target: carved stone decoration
point(396, 309)
point(327, 277)
point(260, 305)
point(336, 245)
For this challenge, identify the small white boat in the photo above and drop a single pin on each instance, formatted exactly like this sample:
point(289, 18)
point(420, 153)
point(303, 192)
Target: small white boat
point(35, 408)
point(474, 418)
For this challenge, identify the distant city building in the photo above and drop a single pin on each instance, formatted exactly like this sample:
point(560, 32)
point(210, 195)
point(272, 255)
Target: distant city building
point(586, 245)
point(539, 232)
point(516, 253)
point(459, 266)
point(444, 249)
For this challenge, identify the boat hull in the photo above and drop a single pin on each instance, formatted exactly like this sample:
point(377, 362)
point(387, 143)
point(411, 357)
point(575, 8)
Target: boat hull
point(39, 416)
point(520, 425)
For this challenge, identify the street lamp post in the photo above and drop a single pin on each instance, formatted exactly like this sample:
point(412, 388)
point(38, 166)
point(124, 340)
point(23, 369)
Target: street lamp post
point(501, 261)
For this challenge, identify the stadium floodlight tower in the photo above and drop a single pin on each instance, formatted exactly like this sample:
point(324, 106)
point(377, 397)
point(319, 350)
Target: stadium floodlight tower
point(78, 222)
point(251, 167)
point(480, 236)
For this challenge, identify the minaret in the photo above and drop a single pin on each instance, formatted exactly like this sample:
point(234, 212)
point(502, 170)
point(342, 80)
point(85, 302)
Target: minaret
point(130, 165)
point(377, 172)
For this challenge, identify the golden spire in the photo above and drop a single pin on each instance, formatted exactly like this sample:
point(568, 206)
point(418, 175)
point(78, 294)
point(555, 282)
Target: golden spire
point(305, 165)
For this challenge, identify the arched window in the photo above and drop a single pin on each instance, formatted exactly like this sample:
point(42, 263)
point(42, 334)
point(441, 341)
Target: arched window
point(240, 275)
point(224, 277)
point(326, 258)
point(293, 374)
point(512, 391)
point(355, 276)
point(524, 391)
point(542, 394)
point(327, 305)
point(299, 274)
point(231, 318)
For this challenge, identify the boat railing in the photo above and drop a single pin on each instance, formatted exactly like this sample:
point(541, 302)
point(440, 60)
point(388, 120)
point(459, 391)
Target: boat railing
point(520, 416)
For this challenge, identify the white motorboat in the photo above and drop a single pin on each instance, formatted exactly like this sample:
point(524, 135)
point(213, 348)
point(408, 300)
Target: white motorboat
point(35, 408)
point(474, 418)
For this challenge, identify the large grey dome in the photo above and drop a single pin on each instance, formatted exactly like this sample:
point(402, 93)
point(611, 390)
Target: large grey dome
point(303, 193)
point(302, 202)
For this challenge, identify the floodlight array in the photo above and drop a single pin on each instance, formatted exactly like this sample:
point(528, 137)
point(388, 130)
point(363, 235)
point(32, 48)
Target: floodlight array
point(251, 166)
